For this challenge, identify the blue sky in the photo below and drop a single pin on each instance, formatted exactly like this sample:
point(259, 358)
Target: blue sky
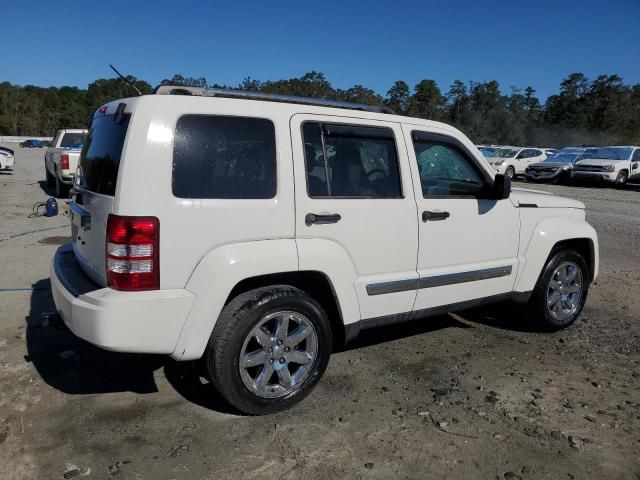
point(374, 43)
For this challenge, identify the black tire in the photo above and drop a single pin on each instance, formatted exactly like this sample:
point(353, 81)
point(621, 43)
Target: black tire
point(234, 325)
point(510, 172)
point(61, 189)
point(48, 177)
point(539, 312)
point(621, 179)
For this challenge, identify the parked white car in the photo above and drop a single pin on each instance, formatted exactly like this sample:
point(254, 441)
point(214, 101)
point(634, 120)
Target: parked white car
point(613, 165)
point(7, 158)
point(61, 159)
point(258, 233)
point(512, 161)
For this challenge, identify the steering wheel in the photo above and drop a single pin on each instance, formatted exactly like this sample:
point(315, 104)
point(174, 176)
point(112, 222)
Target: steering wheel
point(373, 172)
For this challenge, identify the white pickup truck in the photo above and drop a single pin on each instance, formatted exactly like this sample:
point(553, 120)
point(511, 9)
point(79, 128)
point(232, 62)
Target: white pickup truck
point(612, 165)
point(61, 159)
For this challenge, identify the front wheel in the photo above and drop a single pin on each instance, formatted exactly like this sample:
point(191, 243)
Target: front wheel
point(561, 290)
point(621, 179)
point(510, 172)
point(269, 348)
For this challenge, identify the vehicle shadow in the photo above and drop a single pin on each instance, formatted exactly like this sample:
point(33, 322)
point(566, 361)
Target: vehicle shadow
point(49, 191)
point(76, 367)
point(504, 316)
point(387, 333)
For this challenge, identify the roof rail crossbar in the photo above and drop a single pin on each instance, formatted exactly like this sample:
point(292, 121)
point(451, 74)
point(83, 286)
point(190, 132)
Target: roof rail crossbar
point(271, 97)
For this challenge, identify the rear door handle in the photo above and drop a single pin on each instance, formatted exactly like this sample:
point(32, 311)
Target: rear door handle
point(434, 216)
point(321, 219)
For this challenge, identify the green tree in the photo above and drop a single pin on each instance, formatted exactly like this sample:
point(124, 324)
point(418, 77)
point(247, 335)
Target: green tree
point(398, 97)
point(427, 101)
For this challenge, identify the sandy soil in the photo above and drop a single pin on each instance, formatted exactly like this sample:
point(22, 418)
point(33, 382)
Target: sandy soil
point(475, 395)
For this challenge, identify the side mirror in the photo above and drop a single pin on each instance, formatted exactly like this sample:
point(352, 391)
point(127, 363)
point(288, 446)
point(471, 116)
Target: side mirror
point(501, 187)
point(635, 166)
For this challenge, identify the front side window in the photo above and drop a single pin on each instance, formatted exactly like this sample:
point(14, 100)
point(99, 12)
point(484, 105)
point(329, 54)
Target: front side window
point(350, 161)
point(636, 156)
point(446, 169)
point(224, 157)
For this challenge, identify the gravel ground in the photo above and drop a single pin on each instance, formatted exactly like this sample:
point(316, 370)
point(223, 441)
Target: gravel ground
point(475, 395)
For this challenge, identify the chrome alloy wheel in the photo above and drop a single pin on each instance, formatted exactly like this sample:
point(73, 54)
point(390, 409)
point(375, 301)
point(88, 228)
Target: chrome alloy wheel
point(565, 291)
point(278, 354)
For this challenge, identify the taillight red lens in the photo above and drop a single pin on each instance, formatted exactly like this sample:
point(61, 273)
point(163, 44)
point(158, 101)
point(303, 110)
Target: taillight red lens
point(132, 253)
point(64, 161)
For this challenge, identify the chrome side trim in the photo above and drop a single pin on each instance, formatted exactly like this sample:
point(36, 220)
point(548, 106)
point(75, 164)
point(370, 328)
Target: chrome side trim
point(404, 285)
point(463, 277)
point(393, 286)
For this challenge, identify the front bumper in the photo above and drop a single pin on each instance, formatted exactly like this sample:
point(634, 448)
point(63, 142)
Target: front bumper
point(6, 163)
point(139, 322)
point(594, 176)
point(543, 176)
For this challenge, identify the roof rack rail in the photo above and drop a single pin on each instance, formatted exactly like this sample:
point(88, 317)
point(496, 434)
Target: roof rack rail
point(270, 97)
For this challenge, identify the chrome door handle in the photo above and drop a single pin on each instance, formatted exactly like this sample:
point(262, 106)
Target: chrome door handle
point(321, 219)
point(434, 216)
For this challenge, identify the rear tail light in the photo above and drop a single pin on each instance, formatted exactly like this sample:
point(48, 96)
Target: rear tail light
point(64, 161)
point(132, 256)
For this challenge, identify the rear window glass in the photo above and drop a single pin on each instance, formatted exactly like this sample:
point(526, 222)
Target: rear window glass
point(72, 140)
point(100, 157)
point(224, 157)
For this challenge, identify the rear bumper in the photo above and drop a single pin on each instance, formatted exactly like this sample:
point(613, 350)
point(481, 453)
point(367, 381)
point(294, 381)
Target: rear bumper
point(66, 177)
point(139, 322)
point(594, 176)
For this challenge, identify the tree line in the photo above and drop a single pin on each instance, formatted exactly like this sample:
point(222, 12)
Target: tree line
point(598, 111)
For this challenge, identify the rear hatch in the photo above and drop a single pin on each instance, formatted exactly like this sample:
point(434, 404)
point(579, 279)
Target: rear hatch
point(94, 191)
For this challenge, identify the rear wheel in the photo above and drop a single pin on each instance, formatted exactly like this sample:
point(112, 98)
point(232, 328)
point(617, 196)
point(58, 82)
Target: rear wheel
point(561, 290)
point(62, 190)
point(48, 177)
point(269, 349)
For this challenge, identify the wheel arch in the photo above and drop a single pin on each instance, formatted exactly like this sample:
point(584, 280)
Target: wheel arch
point(551, 234)
point(315, 283)
point(231, 269)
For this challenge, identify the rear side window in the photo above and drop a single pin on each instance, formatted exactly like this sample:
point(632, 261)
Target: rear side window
point(224, 157)
point(100, 157)
point(350, 161)
point(72, 140)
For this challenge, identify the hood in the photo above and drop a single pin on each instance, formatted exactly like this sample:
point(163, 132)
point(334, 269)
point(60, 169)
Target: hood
point(493, 160)
point(550, 164)
point(542, 199)
point(600, 161)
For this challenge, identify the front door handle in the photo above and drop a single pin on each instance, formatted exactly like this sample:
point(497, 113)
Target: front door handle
point(321, 219)
point(434, 216)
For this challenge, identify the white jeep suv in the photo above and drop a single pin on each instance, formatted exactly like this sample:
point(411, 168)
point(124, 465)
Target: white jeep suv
point(257, 231)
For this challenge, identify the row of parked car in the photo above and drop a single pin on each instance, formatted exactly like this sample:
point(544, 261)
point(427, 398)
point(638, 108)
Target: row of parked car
point(614, 165)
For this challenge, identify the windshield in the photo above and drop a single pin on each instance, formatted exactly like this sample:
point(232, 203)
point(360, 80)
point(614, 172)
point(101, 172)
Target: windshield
point(505, 153)
point(620, 153)
point(72, 140)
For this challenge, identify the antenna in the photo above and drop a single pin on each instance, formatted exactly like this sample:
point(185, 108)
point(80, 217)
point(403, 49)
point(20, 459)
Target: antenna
point(126, 80)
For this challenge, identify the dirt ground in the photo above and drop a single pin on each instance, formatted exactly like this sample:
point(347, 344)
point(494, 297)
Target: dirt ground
point(475, 395)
